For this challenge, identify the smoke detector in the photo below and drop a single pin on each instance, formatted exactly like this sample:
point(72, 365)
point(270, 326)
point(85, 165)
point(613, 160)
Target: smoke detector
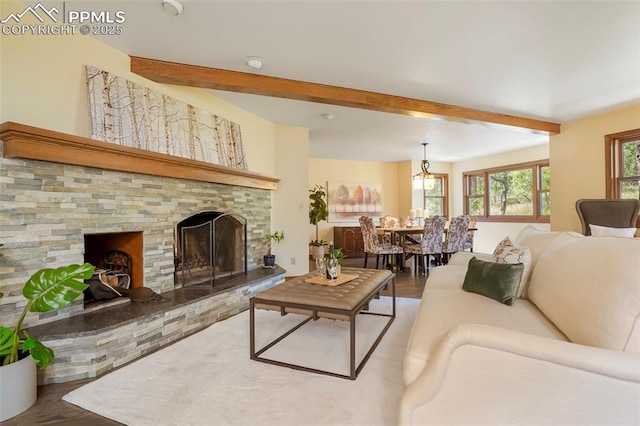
point(255, 62)
point(172, 7)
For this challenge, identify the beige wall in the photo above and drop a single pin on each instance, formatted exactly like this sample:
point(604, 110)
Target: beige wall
point(577, 169)
point(399, 197)
point(578, 162)
point(291, 207)
point(43, 84)
point(406, 200)
point(322, 171)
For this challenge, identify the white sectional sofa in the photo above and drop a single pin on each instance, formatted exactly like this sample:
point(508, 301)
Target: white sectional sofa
point(566, 352)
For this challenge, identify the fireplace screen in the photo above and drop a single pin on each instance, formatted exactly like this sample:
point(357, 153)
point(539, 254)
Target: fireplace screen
point(210, 247)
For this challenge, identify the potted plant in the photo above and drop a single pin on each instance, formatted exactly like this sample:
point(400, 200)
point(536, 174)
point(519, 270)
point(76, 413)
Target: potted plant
point(338, 255)
point(46, 290)
point(317, 213)
point(270, 240)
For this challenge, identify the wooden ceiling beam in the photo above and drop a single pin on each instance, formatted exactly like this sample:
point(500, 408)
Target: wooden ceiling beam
point(235, 81)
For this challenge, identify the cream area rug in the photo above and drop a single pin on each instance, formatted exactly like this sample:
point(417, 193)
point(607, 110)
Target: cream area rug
point(209, 379)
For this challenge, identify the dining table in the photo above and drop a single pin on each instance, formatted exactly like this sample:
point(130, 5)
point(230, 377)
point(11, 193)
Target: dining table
point(400, 235)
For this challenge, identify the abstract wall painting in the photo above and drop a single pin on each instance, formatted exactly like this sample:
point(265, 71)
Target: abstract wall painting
point(350, 200)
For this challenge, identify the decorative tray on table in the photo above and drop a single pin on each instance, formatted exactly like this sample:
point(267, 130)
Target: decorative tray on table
point(321, 280)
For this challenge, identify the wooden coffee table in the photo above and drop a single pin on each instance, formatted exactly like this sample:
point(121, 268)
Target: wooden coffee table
point(344, 302)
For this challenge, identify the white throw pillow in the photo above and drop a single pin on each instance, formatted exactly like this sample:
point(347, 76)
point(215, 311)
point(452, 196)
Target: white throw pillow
point(528, 231)
point(595, 304)
point(605, 231)
point(537, 241)
point(508, 252)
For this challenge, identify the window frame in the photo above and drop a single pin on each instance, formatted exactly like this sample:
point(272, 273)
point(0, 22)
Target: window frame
point(466, 178)
point(535, 166)
point(613, 162)
point(444, 196)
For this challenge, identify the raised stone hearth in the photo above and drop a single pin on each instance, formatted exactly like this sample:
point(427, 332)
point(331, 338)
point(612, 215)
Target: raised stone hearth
point(111, 337)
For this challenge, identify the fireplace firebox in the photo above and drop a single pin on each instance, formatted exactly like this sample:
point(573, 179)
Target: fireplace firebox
point(118, 252)
point(210, 247)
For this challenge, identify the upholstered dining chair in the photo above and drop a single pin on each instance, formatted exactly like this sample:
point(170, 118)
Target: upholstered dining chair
point(468, 245)
point(431, 244)
point(388, 221)
point(616, 213)
point(373, 246)
point(456, 237)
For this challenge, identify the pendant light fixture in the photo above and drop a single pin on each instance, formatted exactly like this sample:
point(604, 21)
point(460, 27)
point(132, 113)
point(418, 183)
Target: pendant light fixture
point(424, 179)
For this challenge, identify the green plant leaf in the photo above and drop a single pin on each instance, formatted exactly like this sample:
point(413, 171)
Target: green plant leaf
point(41, 354)
point(51, 289)
point(318, 207)
point(6, 341)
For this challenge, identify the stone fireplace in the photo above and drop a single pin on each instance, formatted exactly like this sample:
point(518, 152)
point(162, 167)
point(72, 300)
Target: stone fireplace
point(111, 197)
point(67, 199)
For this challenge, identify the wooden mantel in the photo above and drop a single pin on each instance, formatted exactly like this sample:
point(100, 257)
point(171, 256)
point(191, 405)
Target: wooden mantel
point(34, 143)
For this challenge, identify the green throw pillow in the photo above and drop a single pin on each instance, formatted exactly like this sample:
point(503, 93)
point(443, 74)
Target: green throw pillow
point(499, 281)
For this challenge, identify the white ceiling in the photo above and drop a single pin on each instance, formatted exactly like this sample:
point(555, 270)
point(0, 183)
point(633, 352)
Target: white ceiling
point(554, 61)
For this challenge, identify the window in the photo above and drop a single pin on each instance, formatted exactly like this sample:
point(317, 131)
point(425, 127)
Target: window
point(515, 193)
point(544, 190)
point(435, 195)
point(623, 165)
point(623, 161)
point(476, 195)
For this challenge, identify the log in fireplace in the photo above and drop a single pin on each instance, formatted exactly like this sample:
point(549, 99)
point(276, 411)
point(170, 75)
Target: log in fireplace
point(210, 247)
point(104, 250)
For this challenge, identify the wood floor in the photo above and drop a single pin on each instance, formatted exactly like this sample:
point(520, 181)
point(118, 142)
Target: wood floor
point(51, 410)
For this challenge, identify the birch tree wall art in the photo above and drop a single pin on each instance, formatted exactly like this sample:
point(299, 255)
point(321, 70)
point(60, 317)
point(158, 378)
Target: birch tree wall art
point(128, 114)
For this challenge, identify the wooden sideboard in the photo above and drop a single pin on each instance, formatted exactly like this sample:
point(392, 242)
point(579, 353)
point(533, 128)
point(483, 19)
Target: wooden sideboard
point(350, 239)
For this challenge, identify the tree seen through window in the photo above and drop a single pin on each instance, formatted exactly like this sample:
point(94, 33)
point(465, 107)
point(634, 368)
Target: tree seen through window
point(518, 192)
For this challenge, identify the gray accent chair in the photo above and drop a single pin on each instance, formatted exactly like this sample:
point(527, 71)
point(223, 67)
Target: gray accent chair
point(614, 213)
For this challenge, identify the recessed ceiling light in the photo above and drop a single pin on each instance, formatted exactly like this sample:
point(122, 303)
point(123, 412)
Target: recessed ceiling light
point(255, 62)
point(328, 116)
point(173, 7)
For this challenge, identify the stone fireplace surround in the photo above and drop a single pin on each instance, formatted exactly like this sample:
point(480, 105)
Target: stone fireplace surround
point(48, 207)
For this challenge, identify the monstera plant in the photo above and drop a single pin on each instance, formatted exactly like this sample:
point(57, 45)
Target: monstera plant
point(46, 290)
